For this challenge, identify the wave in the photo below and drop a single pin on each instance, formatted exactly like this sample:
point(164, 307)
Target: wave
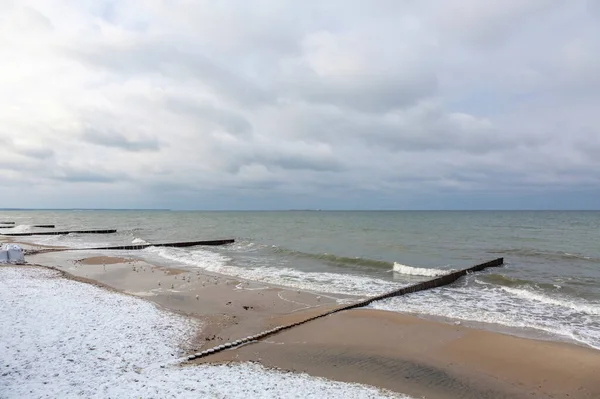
point(349, 261)
point(242, 245)
point(139, 241)
point(531, 295)
point(334, 283)
point(550, 255)
point(502, 280)
point(20, 228)
point(335, 259)
point(526, 310)
point(419, 271)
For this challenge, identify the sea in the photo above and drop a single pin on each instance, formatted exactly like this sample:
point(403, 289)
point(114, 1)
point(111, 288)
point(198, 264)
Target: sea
point(549, 287)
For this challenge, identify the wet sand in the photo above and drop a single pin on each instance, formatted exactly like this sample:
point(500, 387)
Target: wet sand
point(104, 260)
point(404, 353)
point(422, 357)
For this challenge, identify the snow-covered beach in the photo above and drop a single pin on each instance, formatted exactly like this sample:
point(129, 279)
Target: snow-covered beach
point(63, 338)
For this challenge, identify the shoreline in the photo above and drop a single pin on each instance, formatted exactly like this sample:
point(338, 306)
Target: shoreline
point(454, 361)
point(521, 332)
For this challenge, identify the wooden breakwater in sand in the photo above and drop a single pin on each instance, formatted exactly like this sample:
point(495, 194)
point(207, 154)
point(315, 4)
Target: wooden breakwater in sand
point(58, 233)
point(44, 226)
point(425, 285)
point(170, 244)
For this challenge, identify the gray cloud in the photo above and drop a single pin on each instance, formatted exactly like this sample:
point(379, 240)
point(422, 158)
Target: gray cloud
point(79, 177)
point(117, 140)
point(86, 175)
point(27, 149)
point(156, 56)
point(290, 101)
point(207, 113)
point(369, 93)
point(488, 25)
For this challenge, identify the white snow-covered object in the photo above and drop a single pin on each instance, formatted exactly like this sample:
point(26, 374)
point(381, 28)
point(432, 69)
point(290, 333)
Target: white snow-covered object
point(14, 254)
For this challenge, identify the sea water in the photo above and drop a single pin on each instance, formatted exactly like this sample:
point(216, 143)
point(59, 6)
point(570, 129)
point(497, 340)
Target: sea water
point(549, 287)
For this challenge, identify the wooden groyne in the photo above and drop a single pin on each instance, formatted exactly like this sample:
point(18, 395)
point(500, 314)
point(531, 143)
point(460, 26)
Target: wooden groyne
point(134, 247)
point(425, 285)
point(12, 225)
point(58, 233)
point(171, 244)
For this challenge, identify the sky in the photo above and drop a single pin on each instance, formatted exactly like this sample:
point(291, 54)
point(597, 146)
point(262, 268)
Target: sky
point(284, 104)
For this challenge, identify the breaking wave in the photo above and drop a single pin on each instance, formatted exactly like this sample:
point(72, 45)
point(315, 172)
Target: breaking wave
point(418, 271)
point(522, 308)
point(334, 283)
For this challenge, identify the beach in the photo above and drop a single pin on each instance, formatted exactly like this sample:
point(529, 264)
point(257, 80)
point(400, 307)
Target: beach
point(402, 353)
point(65, 338)
point(530, 328)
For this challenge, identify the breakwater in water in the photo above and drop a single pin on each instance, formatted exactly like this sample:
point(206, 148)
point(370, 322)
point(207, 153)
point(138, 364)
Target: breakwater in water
point(425, 285)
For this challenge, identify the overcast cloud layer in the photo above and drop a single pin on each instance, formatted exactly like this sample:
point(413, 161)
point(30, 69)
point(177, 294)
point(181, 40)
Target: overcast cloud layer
point(300, 104)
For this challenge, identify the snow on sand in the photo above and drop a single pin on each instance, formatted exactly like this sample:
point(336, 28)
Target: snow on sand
point(61, 338)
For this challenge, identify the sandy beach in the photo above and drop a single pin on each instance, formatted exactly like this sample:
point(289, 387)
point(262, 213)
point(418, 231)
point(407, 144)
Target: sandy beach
point(63, 338)
point(402, 353)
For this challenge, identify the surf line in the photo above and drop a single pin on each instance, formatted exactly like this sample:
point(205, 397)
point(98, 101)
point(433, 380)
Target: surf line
point(425, 285)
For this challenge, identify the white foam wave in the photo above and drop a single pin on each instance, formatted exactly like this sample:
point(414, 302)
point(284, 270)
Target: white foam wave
point(591, 309)
point(334, 283)
point(20, 228)
point(577, 256)
point(210, 261)
point(513, 308)
point(139, 241)
point(246, 246)
point(418, 271)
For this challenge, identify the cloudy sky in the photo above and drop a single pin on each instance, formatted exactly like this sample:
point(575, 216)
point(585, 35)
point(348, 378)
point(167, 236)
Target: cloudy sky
point(278, 104)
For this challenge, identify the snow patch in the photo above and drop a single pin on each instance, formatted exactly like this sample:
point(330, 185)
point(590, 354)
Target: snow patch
point(61, 338)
